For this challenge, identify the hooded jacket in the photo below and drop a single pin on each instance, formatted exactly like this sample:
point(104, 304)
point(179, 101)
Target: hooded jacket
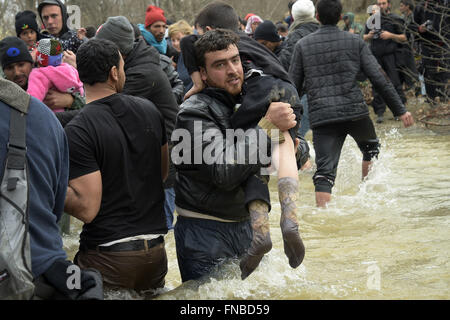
point(68, 38)
point(358, 29)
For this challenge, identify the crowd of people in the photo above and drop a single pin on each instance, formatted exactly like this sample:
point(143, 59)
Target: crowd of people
point(146, 110)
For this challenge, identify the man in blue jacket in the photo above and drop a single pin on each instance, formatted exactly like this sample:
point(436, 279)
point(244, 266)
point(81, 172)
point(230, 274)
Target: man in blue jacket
point(48, 171)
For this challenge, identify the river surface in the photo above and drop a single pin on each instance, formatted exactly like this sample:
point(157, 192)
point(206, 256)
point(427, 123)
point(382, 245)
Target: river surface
point(385, 238)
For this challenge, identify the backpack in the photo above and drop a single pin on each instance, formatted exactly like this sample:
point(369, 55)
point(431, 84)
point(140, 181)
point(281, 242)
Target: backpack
point(16, 278)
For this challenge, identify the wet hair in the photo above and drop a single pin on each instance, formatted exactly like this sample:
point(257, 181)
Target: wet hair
point(329, 11)
point(95, 60)
point(216, 15)
point(214, 40)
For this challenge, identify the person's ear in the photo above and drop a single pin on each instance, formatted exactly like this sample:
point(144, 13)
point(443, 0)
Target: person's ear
point(208, 28)
point(203, 74)
point(317, 16)
point(114, 74)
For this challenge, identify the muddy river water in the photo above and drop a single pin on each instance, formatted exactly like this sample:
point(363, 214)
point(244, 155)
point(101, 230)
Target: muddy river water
point(385, 238)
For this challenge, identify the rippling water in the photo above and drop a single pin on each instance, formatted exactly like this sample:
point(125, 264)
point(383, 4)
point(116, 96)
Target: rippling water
point(385, 238)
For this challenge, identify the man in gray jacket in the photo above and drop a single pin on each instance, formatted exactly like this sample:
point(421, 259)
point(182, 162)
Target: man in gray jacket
point(326, 65)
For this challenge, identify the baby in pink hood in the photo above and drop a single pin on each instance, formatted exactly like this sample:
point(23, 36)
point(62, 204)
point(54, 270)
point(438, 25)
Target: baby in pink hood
point(52, 73)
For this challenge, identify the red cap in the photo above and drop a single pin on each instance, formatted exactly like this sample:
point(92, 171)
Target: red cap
point(153, 15)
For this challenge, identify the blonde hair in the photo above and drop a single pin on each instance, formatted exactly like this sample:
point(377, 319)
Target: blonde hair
point(180, 26)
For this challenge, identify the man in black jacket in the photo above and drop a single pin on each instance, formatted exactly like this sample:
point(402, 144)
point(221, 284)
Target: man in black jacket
point(212, 203)
point(325, 65)
point(304, 23)
point(433, 20)
point(384, 43)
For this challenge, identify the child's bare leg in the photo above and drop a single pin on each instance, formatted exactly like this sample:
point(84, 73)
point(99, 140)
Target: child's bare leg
point(261, 243)
point(288, 194)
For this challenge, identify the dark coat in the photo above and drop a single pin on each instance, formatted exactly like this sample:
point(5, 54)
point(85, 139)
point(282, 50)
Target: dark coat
point(216, 189)
point(328, 63)
point(175, 81)
point(145, 78)
point(294, 36)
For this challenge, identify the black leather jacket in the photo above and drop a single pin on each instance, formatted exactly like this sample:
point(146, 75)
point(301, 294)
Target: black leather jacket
point(215, 189)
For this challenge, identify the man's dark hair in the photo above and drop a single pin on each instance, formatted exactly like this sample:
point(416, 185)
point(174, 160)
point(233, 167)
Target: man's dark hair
point(329, 11)
point(95, 59)
point(408, 3)
point(218, 14)
point(282, 27)
point(214, 40)
point(90, 32)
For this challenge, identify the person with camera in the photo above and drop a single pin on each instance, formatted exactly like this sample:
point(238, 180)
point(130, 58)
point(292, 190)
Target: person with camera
point(433, 22)
point(384, 38)
point(409, 74)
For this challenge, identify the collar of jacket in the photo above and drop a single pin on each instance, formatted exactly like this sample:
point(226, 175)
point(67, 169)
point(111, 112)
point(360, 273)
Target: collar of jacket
point(297, 23)
point(329, 27)
point(222, 96)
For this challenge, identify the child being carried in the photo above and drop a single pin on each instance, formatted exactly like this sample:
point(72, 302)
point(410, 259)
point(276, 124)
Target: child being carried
point(52, 73)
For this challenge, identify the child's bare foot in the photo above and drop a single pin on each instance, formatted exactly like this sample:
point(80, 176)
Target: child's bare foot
point(261, 243)
point(293, 244)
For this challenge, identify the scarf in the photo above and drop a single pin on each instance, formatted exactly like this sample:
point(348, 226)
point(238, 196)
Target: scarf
point(303, 20)
point(151, 40)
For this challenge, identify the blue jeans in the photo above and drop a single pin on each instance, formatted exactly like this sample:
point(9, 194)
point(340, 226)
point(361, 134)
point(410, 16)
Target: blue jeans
point(304, 124)
point(169, 206)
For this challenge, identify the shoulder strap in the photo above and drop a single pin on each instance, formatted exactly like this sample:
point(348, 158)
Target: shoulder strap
point(17, 149)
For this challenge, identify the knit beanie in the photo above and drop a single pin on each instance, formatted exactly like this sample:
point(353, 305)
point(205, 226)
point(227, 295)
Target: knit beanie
point(49, 53)
point(26, 20)
point(120, 31)
point(267, 31)
point(12, 50)
point(303, 8)
point(248, 16)
point(153, 15)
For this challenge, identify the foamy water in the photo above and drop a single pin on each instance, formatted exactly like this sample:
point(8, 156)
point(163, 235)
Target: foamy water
point(384, 238)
